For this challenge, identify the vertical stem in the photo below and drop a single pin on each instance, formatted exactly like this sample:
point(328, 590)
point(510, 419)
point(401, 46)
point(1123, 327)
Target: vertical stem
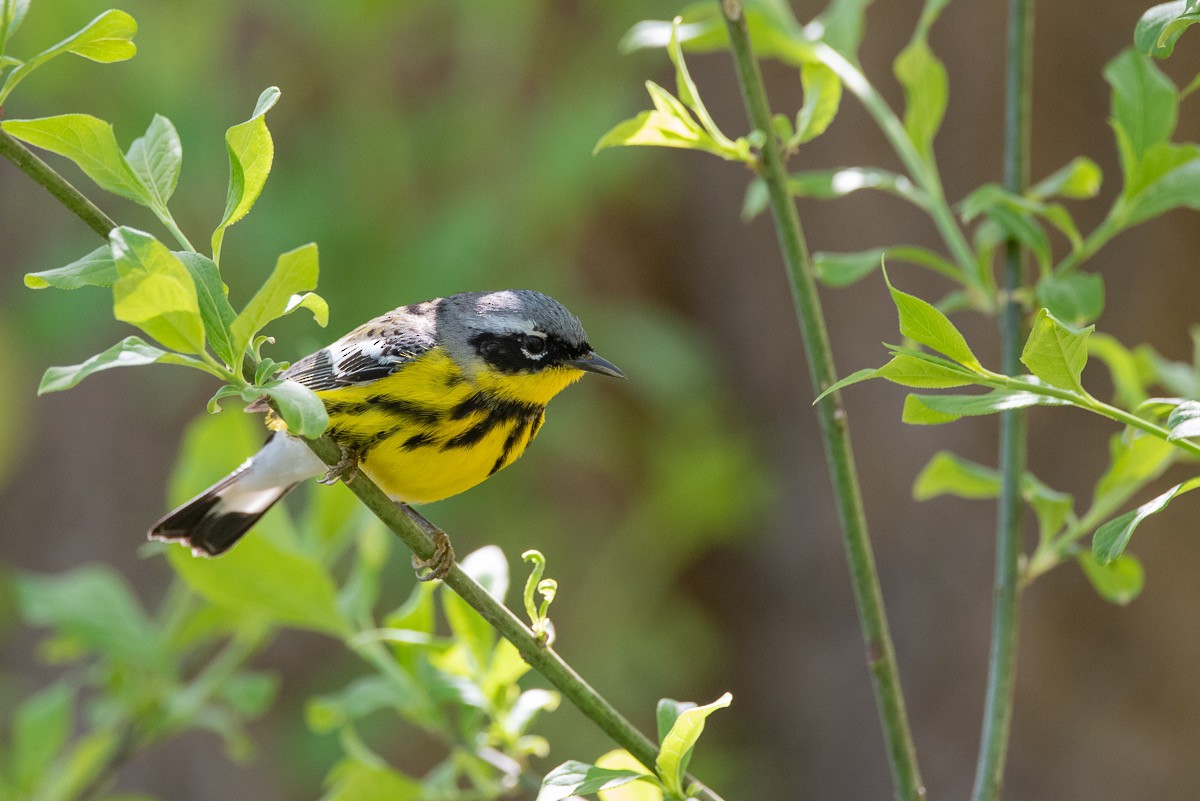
point(1002, 662)
point(881, 657)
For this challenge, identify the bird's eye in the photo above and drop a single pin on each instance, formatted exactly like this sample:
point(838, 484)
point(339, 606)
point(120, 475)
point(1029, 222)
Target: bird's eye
point(534, 346)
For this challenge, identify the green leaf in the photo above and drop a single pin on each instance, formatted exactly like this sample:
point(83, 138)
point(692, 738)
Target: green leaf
point(840, 26)
point(1161, 26)
point(921, 322)
point(667, 712)
point(156, 157)
point(937, 409)
point(215, 310)
point(12, 14)
point(853, 378)
point(295, 271)
point(1184, 420)
point(1056, 352)
point(648, 789)
point(40, 729)
point(574, 778)
point(1076, 298)
point(129, 352)
point(827, 184)
point(95, 269)
point(95, 607)
point(251, 152)
point(314, 303)
point(250, 693)
point(843, 269)
point(1078, 180)
point(920, 370)
point(676, 749)
point(155, 292)
point(822, 96)
point(91, 144)
point(1180, 186)
point(361, 697)
point(1119, 581)
point(1128, 382)
point(950, 474)
point(1052, 507)
point(107, 38)
point(261, 579)
point(1144, 104)
point(926, 89)
point(1134, 459)
point(1111, 538)
point(301, 409)
point(353, 780)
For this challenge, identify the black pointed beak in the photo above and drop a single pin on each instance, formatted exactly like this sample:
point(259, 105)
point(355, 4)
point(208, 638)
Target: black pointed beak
point(594, 364)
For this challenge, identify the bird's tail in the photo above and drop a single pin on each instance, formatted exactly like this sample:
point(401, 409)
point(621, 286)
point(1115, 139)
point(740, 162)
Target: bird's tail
point(215, 519)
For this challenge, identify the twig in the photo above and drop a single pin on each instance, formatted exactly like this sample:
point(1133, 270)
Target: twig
point(881, 656)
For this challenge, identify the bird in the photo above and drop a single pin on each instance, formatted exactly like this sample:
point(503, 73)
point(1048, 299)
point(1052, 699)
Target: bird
point(427, 400)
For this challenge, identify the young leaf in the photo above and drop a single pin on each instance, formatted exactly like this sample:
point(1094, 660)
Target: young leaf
point(260, 579)
point(107, 38)
point(840, 26)
point(41, 727)
point(926, 89)
point(1161, 26)
point(950, 474)
point(299, 406)
point(822, 96)
point(356, 779)
point(1055, 352)
point(295, 271)
point(937, 409)
point(1129, 383)
point(12, 14)
point(689, 95)
point(1179, 186)
point(1075, 298)
point(129, 352)
point(251, 152)
point(853, 378)
point(667, 712)
point(91, 144)
point(1119, 581)
point(1111, 538)
point(1144, 104)
point(914, 369)
point(843, 269)
point(314, 303)
point(95, 269)
point(676, 748)
point(647, 789)
point(215, 310)
point(1184, 420)
point(155, 291)
point(574, 778)
point(1078, 180)
point(94, 606)
point(156, 157)
point(1134, 459)
point(921, 322)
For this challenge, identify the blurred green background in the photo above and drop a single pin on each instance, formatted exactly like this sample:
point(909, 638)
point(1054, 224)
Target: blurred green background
point(435, 147)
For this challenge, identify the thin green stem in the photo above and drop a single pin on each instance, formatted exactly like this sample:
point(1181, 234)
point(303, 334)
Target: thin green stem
point(920, 170)
point(1006, 599)
point(164, 216)
point(418, 534)
point(55, 184)
point(881, 657)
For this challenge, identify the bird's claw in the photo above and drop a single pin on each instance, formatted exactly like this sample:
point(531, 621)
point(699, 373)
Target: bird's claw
point(345, 470)
point(440, 563)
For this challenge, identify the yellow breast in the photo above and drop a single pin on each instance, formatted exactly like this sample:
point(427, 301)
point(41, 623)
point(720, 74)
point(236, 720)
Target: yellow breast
point(428, 431)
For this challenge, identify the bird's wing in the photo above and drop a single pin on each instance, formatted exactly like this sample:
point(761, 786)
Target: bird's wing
point(370, 352)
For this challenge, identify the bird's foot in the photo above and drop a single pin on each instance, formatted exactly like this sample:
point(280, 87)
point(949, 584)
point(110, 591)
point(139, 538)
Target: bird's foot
point(440, 563)
point(345, 470)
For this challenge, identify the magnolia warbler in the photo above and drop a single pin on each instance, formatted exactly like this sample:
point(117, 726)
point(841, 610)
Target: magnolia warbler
point(427, 400)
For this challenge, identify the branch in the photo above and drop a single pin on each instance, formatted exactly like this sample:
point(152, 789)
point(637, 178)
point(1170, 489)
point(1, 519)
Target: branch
point(881, 656)
point(1002, 660)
